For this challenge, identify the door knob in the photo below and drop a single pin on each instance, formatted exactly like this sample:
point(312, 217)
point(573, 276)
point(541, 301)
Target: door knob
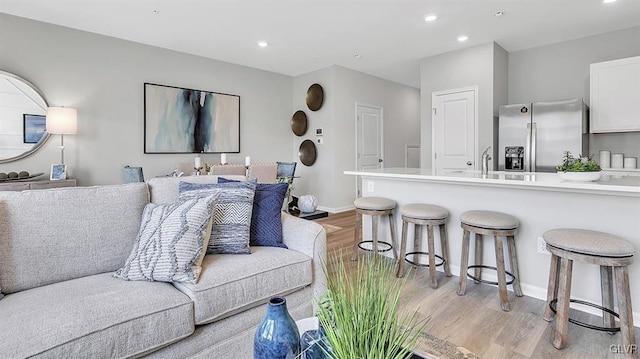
point(469, 163)
point(379, 159)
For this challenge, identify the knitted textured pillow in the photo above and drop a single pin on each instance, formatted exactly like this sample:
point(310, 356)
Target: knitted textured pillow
point(266, 221)
point(231, 215)
point(171, 242)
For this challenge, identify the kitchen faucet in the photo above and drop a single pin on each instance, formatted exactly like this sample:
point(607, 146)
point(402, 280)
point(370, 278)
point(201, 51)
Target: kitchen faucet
point(485, 161)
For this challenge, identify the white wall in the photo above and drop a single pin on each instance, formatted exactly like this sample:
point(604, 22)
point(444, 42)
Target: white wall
point(472, 66)
point(343, 88)
point(561, 70)
point(103, 78)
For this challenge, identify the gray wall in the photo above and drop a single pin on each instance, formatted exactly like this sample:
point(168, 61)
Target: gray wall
point(103, 78)
point(473, 66)
point(561, 70)
point(343, 89)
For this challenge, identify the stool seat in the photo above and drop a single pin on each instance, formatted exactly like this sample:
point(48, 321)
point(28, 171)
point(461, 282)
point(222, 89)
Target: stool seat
point(489, 219)
point(374, 203)
point(424, 211)
point(589, 242)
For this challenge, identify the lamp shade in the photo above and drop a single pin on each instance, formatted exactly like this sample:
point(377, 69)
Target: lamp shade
point(62, 121)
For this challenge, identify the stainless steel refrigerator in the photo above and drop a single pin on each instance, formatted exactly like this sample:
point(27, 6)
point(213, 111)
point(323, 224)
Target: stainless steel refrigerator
point(532, 137)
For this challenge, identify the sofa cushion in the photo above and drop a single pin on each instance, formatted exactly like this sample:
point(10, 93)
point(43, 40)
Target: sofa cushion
point(93, 317)
point(171, 243)
point(229, 284)
point(164, 190)
point(266, 224)
point(231, 215)
point(52, 235)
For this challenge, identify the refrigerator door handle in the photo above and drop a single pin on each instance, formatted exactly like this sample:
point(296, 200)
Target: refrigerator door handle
point(534, 135)
point(527, 150)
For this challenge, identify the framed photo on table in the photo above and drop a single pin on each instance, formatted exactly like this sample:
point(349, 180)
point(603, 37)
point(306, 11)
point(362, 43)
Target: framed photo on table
point(58, 172)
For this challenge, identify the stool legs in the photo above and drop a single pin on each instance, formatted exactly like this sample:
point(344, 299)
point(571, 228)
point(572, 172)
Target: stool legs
point(552, 287)
point(356, 236)
point(464, 263)
point(403, 249)
point(564, 295)
point(477, 272)
point(432, 257)
point(623, 293)
point(606, 285)
point(502, 277)
point(513, 260)
point(392, 226)
point(444, 243)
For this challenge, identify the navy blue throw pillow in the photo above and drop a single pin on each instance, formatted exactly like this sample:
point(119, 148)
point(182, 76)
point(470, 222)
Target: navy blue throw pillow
point(266, 223)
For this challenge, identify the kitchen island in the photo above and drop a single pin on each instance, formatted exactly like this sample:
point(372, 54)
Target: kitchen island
point(541, 201)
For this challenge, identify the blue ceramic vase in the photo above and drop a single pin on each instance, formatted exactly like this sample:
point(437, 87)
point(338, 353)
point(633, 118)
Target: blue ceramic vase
point(277, 336)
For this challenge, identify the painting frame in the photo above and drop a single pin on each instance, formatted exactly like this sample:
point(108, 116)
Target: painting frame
point(183, 120)
point(58, 172)
point(33, 128)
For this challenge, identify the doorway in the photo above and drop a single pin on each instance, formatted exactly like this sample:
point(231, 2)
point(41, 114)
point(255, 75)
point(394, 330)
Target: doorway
point(454, 129)
point(369, 137)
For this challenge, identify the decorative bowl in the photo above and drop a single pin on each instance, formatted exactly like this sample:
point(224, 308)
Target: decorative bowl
point(580, 176)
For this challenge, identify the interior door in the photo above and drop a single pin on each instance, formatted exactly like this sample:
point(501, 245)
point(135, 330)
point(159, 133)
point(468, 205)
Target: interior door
point(454, 129)
point(368, 139)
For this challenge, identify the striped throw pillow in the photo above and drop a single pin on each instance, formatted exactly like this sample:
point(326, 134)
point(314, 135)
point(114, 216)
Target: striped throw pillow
point(230, 231)
point(172, 242)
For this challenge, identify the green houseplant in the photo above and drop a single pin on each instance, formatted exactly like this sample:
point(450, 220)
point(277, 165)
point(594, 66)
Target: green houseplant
point(579, 168)
point(360, 313)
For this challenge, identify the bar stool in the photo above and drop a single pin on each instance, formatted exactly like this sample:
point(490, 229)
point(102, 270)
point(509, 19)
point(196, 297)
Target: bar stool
point(613, 254)
point(375, 207)
point(494, 224)
point(424, 215)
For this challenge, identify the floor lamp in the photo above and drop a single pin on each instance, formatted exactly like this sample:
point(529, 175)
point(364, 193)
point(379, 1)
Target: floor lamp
point(62, 121)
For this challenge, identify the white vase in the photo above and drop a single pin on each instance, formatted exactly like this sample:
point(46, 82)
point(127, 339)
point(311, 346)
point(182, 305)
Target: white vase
point(307, 203)
point(580, 176)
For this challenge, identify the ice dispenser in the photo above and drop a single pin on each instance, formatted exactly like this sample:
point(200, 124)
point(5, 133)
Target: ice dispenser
point(514, 158)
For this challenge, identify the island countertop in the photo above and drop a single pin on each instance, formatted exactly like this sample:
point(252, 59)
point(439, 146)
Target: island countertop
point(609, 183)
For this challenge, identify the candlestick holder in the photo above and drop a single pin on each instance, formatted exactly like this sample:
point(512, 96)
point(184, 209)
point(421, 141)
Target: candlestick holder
point(197, 169)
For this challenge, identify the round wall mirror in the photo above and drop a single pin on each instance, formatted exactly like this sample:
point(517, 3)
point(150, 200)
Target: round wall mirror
point(22, 118)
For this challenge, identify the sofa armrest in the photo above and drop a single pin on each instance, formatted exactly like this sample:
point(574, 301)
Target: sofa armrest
point(309, 238)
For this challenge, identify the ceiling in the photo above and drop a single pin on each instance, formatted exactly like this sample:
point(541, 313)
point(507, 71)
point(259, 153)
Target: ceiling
point(384, 38)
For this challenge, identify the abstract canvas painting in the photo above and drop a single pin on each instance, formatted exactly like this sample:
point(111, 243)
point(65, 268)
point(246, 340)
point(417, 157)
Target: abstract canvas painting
point(179, 120)
point(33, 128)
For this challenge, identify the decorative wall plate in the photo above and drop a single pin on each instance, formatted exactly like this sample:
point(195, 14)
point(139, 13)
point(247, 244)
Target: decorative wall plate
point(315, 97)
point(307, 152)
point(299, 123)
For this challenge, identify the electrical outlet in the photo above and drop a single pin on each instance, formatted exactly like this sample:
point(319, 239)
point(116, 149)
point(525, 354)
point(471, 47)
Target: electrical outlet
point(542, 246)
point(370, 186)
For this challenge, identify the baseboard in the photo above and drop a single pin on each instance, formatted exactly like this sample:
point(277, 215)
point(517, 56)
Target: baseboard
point(336, 209)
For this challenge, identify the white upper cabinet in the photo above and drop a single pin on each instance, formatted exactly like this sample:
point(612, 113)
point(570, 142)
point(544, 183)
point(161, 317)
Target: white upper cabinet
point(615, 95)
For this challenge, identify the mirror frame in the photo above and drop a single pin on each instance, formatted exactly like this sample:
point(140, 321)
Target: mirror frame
point(44, 139)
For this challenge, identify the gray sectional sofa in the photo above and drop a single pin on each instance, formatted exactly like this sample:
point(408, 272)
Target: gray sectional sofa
point(60, 247)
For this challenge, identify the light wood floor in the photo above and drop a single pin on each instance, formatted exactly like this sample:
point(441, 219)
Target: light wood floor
point(476, 322)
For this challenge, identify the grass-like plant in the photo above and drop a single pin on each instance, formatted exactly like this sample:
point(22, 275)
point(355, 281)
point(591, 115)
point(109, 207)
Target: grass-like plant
point(360, 312)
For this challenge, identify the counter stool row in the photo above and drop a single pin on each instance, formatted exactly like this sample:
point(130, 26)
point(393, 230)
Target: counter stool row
point(477, 222)
point(613, 254)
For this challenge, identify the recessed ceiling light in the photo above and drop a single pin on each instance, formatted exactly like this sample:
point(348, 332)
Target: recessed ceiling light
point(156, 12)
point(608, 1)
point(463, 38)
point(499, 14)
point(357, 56)
point(263, 43)
point(430, 17)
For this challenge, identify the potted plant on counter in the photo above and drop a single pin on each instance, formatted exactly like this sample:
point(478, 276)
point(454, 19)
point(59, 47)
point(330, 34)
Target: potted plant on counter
point(579, 168)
